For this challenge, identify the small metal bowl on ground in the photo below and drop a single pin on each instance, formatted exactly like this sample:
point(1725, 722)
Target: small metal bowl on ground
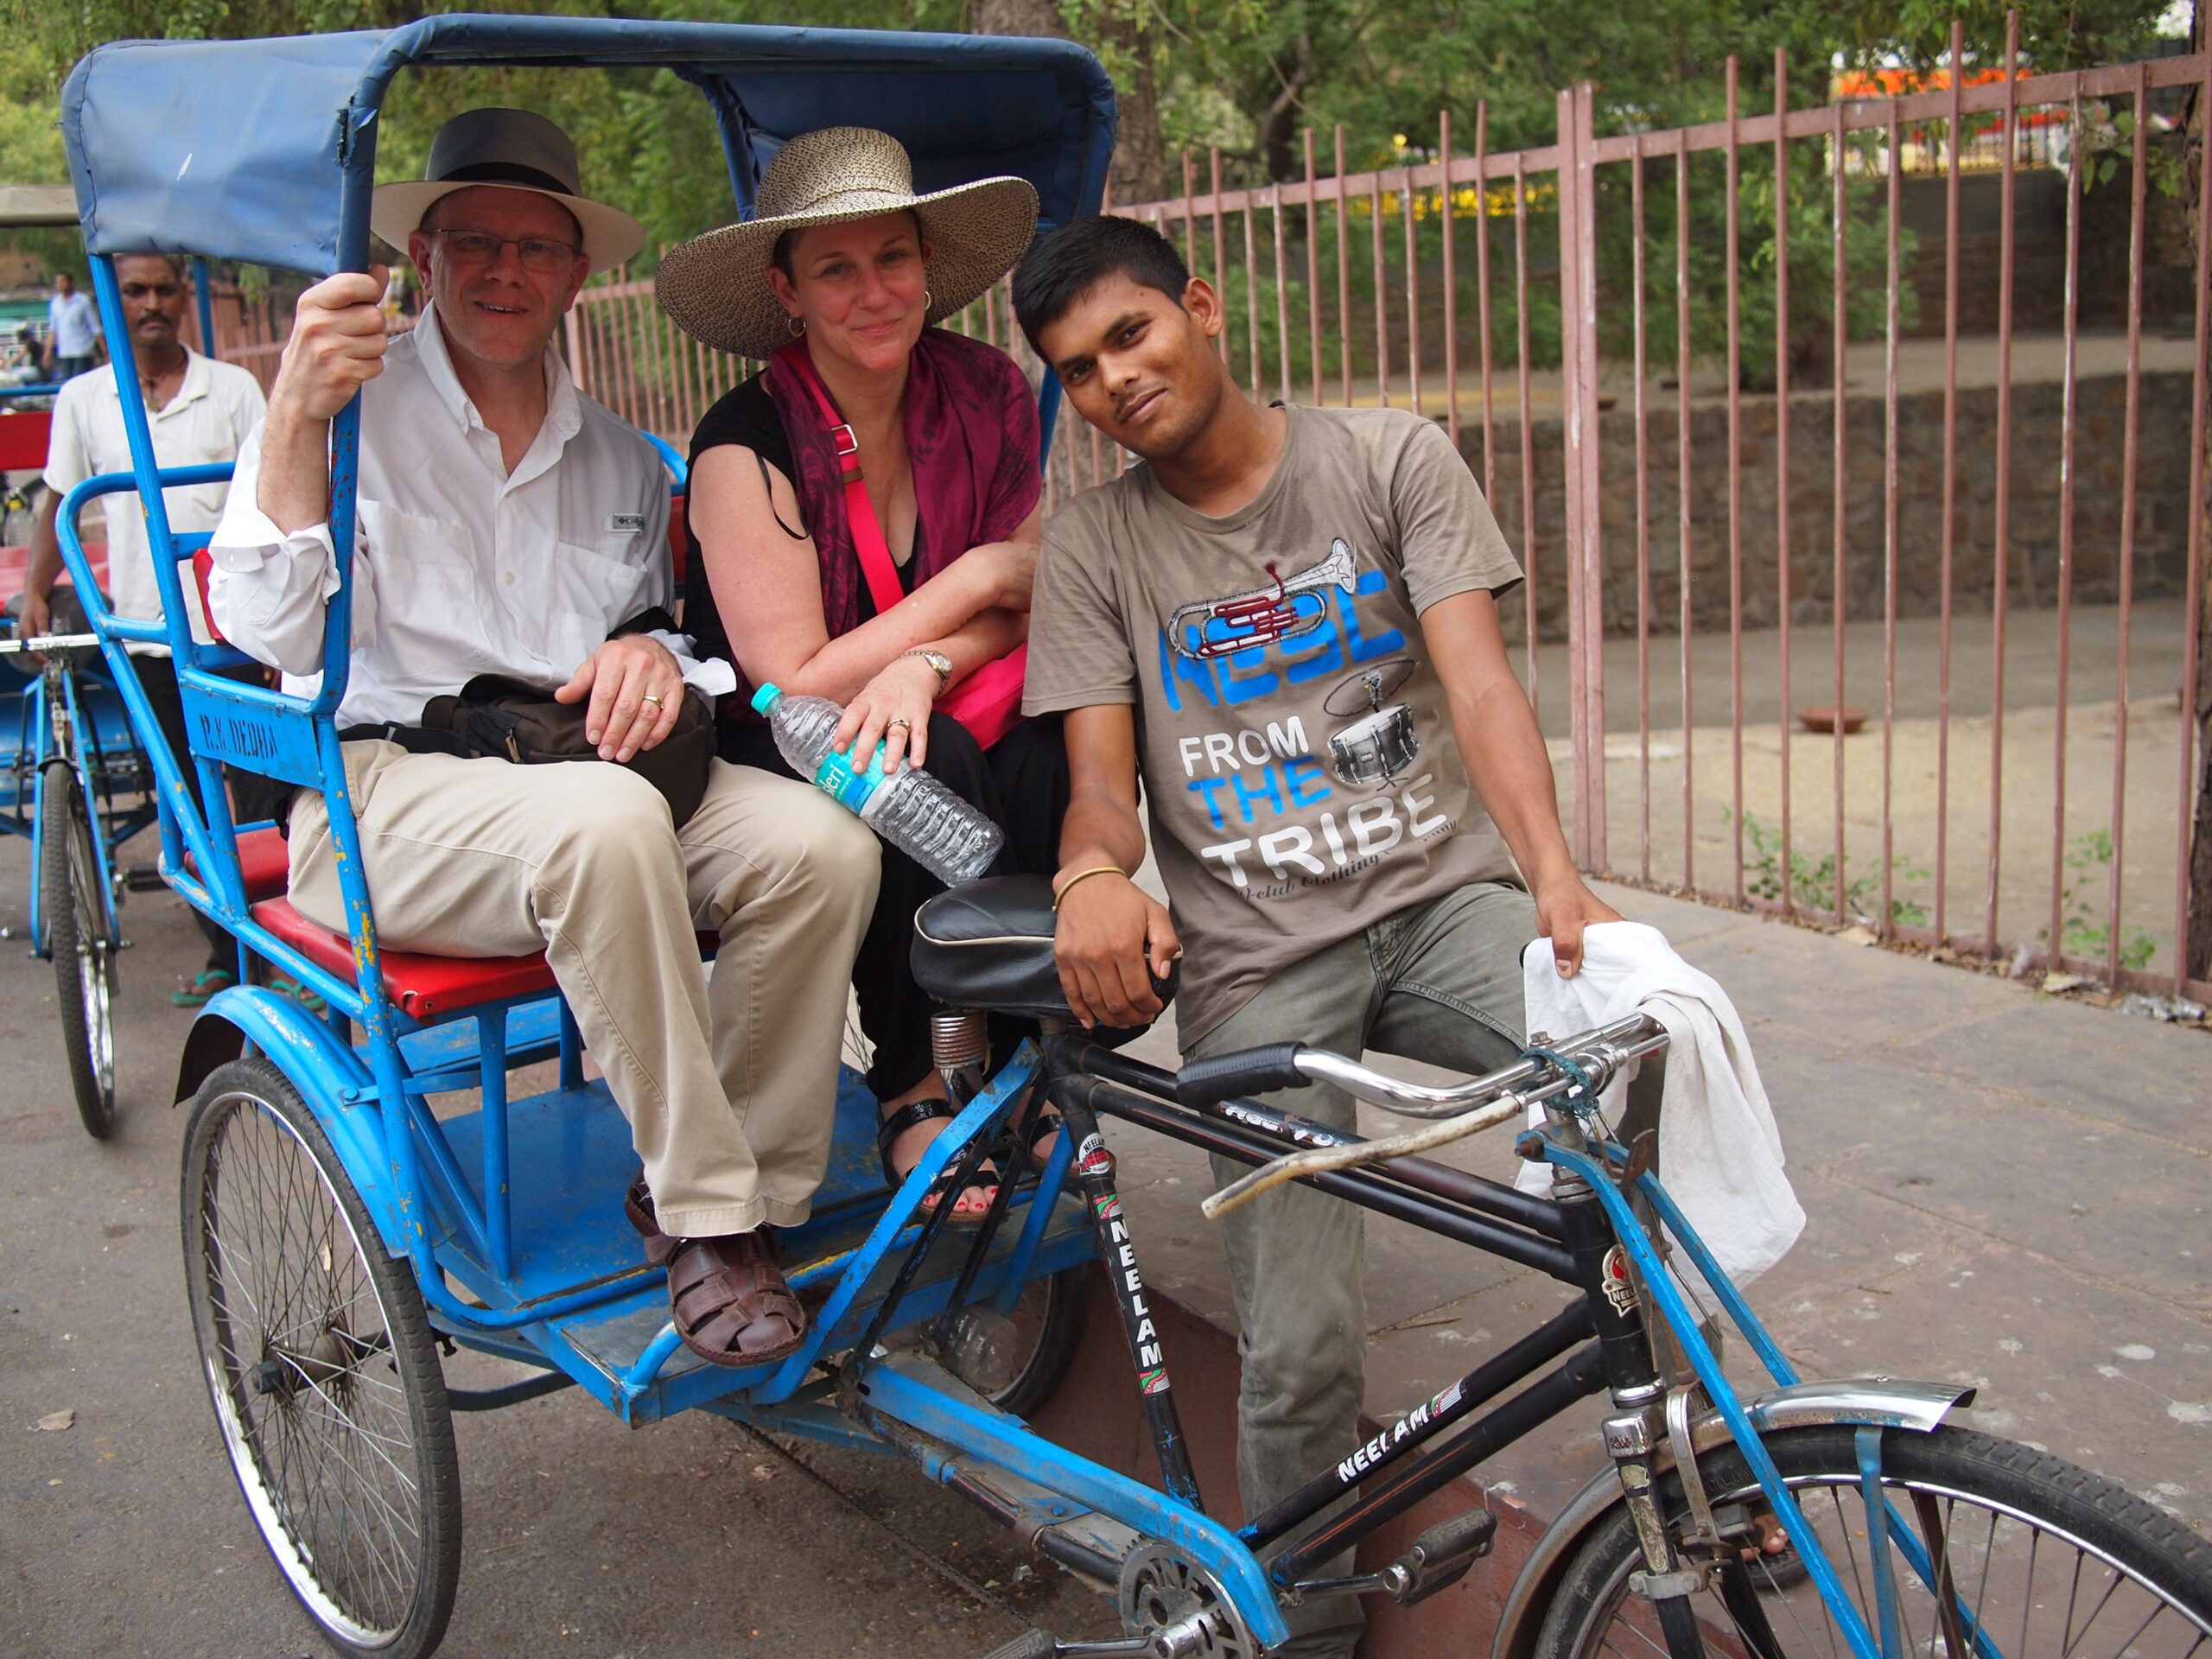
point(1828, 720)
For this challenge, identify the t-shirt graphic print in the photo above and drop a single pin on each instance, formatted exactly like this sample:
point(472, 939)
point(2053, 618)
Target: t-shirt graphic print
point(1300, 769)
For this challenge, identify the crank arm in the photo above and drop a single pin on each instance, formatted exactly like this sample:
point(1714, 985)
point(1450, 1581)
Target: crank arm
point(1185, 1636)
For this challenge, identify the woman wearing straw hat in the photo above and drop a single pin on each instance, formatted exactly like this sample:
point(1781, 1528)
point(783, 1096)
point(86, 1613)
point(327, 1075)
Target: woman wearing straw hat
point(867, 512)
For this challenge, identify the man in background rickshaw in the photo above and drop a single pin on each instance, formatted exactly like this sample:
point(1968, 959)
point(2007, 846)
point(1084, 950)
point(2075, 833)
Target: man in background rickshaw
point(199, 411)
point(508, 524)
point(1286, 624)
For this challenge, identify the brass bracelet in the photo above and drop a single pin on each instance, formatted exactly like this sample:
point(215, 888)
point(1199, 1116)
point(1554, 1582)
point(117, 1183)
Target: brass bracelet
point(1084, 875)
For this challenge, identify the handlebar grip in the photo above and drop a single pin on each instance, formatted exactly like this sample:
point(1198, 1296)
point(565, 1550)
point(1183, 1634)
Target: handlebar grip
point(1247, 1072)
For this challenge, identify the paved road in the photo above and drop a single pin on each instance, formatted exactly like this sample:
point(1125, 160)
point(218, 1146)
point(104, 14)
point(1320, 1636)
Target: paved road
point(125, 1535)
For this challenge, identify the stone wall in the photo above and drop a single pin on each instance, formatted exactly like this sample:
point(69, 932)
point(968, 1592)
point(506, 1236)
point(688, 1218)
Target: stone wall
point(2161, 527)
point(2039, 254)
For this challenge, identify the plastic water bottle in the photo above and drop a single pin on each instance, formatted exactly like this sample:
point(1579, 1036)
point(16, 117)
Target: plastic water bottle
point(909, 808)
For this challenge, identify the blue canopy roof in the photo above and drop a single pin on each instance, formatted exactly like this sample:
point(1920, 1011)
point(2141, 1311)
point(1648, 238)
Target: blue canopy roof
point(264, 151)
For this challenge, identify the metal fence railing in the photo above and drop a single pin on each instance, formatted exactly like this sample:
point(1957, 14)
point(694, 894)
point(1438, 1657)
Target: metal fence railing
point(1781, 409)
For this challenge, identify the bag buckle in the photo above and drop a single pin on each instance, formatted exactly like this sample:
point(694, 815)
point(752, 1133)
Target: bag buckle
point(841, 435)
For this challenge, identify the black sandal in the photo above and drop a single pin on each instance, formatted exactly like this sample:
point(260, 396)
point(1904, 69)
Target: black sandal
point(906, 1117)
point(1042, 1128)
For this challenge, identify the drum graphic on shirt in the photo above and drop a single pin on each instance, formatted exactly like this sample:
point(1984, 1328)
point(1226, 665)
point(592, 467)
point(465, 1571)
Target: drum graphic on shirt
point(1285, 609)
point(1380, 743)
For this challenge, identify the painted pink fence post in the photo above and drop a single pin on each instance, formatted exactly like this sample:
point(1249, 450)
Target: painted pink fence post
point(1577, 235)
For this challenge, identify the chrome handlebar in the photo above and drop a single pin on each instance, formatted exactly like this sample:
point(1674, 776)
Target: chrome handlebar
point(1501, 1096)
point(1601, 1052)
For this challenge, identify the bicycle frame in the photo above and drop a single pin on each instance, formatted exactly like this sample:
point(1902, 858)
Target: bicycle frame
point(1600, 1344)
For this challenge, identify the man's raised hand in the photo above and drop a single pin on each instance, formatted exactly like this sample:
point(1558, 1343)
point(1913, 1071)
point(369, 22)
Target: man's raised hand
point(337, 346)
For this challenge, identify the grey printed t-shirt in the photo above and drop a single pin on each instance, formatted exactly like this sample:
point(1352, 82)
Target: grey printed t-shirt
point(1298, 762)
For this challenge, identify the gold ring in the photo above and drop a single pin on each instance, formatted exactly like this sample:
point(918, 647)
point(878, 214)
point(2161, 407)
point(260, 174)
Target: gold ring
point(649, 697)
point(904, 725)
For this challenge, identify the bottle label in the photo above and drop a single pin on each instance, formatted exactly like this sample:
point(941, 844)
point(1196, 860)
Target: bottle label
point(835, 778)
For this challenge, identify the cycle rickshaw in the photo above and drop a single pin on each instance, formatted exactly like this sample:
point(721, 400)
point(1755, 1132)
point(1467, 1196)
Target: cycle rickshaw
point(76, 783)
point(337, 1228)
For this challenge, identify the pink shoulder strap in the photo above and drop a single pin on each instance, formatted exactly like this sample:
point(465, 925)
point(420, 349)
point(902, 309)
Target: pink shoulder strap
point(868, 540)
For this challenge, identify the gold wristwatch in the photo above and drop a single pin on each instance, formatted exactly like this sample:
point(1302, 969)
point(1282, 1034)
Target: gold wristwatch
point(936, 659)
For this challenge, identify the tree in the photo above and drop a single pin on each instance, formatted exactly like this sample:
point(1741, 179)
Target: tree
point(2197, 944)
point(1121, 38)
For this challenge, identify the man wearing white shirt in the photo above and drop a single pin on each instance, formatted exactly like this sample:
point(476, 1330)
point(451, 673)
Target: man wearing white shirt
point(73, 330)
point(509, 525)
point(199, 411)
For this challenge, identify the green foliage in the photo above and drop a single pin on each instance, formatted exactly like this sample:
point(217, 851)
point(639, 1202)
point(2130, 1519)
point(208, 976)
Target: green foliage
point(1356, 325)
point(1246, 75)
point(2089, 862)
point(1811, 882)
point(30, 148)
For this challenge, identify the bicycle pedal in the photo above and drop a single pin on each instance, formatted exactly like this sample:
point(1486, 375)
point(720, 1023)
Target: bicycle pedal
point(1440, 1557)
point(144, 878)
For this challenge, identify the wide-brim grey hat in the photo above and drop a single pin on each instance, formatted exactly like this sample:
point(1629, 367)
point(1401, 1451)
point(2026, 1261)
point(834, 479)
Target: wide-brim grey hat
point(513, 150)
point(715, 286)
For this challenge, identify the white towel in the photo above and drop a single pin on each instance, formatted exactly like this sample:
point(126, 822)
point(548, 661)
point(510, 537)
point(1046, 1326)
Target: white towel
point(1719, 1151)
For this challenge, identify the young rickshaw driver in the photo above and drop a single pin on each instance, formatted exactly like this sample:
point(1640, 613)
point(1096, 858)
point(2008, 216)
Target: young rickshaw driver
point(509, 525)
point(1285, 623)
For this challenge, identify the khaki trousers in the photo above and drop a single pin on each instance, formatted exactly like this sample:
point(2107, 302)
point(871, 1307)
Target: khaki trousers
point(729, 1087)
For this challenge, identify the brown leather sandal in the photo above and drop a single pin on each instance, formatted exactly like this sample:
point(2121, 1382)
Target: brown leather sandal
point(727, 1295)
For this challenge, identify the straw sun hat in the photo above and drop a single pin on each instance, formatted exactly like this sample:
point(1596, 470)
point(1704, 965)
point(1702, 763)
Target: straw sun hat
point(715, 286)
point(515, 150)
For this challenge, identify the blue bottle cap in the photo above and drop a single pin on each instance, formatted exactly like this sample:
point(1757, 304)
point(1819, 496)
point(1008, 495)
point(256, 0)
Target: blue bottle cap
point(765, 698)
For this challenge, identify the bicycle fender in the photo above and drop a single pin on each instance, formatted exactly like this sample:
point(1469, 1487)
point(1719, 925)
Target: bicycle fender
point(330, 1076)
point(1870, 1402)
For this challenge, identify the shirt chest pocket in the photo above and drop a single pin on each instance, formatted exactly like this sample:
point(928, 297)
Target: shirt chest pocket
point(424, 583)
point(601, 590)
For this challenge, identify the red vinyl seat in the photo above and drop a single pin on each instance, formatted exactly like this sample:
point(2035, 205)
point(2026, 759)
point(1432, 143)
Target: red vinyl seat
point(265, 863)
point(421, 986)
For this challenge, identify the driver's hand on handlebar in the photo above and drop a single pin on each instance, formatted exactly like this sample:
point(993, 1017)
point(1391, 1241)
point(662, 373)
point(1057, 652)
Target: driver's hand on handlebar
point(35, 616)
point(337, 345)
point(1112, 941)
point(1565, 907)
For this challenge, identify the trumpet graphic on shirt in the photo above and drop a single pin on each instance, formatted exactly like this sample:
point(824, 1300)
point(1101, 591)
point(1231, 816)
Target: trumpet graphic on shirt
point(1289, 607)
point(1381, 743)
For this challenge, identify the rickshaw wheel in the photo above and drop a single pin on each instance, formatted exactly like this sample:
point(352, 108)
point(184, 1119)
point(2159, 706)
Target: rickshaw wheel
point(77, 937)
point(318, 1358)
point(1048, 1319)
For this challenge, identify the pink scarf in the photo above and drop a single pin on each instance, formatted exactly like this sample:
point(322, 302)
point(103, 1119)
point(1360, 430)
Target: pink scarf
point(971, 439)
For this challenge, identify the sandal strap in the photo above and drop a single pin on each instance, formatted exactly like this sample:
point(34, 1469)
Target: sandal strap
point(913, 1112)
point(888, 1131)
point(721, 1289)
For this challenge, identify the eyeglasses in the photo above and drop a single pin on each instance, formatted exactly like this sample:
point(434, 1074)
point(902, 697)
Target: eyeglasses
point(542, 254)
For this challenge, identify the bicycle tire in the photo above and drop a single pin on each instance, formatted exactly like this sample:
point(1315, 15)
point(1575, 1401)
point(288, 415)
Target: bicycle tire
point(2060, 1561)
point(77, 936)
point(1054, 1306)
point(336, 1421)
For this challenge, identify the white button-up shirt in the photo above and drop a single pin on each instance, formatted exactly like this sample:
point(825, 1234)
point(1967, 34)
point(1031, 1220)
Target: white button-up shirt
point(215, 409)
point(461, 567)
point(74, 323)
